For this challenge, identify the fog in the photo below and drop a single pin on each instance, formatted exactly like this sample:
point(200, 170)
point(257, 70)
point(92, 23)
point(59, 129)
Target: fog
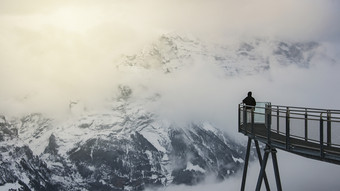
point(297, 173)
point(52, 53)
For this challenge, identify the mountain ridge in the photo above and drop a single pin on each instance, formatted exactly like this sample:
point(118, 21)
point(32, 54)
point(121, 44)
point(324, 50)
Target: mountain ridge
point(127, 145)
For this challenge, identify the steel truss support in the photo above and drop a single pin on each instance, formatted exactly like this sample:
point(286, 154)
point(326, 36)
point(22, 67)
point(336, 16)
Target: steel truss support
point(245, 169)
point(262, 174)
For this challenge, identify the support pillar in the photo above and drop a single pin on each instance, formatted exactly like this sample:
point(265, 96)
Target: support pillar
point(245, 169)
point(269, 150)
point(260, 161)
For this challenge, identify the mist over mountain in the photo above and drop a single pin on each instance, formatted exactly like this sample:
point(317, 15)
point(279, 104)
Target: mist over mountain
point(241, 57)
point(170, 120)
point(142, 95)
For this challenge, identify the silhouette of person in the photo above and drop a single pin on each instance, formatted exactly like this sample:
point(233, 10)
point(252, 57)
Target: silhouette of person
point(250, 103)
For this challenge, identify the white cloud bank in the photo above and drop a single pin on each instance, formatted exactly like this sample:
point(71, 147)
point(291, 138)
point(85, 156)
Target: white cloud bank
point(55, 52)
point(296, 173)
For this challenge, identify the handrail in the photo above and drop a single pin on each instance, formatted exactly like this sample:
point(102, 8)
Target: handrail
point(294, 125)
point(335, 110)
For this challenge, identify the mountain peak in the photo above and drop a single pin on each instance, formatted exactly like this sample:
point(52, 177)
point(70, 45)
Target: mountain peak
point(172, 52)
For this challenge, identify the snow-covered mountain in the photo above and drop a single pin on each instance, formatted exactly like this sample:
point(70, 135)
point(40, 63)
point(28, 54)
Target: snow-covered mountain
point(20, 168)
point(129, 147)
point(250, 56)
point(124, 149)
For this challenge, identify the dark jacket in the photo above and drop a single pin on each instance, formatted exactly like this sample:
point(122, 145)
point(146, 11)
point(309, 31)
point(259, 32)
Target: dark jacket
point(249, 101)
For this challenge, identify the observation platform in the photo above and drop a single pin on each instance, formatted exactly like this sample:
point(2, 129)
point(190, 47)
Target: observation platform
point(309, 132)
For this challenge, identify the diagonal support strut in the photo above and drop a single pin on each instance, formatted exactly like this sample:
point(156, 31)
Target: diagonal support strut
point(245, 169)
point(269, 150)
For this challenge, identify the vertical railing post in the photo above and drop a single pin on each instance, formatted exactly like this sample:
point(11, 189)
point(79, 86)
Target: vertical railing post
point(306, 125)
point(277, 120)
point(321, 137)
point(239, 118)
point(329, 129)
point(287, 129)
point(252, 121)
point(245, 120)
point(268, 122)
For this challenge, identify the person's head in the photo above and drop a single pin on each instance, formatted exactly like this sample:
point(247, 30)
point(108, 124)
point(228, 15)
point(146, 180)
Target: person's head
point(249, 94)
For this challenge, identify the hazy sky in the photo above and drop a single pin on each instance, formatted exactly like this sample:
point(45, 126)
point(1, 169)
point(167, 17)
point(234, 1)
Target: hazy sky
point(52, 52)
point(59, 51)
point(65, 50)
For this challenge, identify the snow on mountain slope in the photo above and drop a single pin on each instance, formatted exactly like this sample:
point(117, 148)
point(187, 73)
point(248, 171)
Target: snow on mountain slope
point(19, 167)
point(127, 145)
point(129, 148)
point(172, 52)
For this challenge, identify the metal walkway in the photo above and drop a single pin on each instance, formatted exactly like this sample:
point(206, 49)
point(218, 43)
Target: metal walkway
point(309, 132)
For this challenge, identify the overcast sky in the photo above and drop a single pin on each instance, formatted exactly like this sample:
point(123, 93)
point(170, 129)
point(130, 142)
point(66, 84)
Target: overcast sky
point(52, 52)
point(59, 51)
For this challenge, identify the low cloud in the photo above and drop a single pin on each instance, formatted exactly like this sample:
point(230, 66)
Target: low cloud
point(52, 53)
point(296, 173)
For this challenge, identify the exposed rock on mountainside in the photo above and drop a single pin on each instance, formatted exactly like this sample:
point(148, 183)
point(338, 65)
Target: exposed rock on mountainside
point(172, 52)
point(128, 147)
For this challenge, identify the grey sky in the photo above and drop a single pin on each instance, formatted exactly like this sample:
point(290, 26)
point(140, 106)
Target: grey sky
point(52, 52)
point(66, 46)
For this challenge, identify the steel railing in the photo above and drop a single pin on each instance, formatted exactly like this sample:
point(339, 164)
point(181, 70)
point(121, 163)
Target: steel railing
point(312, 128)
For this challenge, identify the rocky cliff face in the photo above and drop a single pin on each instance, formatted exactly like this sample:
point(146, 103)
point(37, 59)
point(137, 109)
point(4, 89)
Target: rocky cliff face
point(20, 168)
point(128, 147)
point(172, 52)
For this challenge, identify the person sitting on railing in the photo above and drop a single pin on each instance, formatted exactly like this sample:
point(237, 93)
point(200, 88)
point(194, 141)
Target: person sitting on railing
point(250, 103)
